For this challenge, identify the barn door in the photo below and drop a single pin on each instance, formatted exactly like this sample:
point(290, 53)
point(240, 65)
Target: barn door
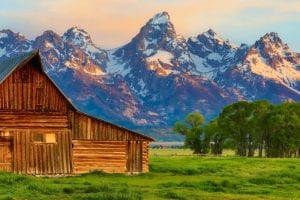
point(134, 156)
point(49, 152)
point(5, 155)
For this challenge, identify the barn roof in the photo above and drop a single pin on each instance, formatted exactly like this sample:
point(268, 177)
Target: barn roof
point(7, 67)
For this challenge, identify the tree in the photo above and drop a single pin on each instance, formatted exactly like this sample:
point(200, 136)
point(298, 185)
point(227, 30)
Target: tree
point(216, 135)
point(234, 120)
point(192, 130)
point(284, 125)
point(258, 123)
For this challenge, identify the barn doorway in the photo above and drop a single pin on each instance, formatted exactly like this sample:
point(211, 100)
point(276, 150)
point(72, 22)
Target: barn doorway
point(5, 151)
point(134, 156)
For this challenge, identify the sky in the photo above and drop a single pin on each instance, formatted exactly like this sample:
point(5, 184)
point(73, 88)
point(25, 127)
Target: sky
point(112, 23)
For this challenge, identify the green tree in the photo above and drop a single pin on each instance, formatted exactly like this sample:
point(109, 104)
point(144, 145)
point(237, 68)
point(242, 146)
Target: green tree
point(284, 126)
point(217, 136)
point(234, 120)
point(258, 124)
point(192, 130)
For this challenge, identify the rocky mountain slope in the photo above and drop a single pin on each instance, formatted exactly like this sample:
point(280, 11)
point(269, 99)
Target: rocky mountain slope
point(159, 76)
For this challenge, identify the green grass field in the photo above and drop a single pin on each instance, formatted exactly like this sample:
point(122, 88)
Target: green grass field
point(172, 176)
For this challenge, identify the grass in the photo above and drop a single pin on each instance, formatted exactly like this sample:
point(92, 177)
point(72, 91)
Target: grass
point(171, 177)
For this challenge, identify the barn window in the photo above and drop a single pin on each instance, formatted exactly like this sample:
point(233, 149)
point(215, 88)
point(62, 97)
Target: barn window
point(44, 138)
point(50, 138)
point(38, 137)
point(5, 134)
point(39, 98)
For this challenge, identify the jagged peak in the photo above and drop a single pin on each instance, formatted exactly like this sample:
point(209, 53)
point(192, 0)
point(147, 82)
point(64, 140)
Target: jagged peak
point(158, 29)
point(271, 43)
point(160, 18)
point(8, 33)
point(210, 32)
point(270, 38)
point(76, 30)
point(212, 35)
point(77, 36)
point(213, 38)
point(50, 33)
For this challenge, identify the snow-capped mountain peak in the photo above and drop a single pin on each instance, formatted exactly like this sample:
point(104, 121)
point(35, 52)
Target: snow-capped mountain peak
point(157, 47)
point(80, 38)
point(271, 47)
point(213, 36)
point(160, 18)
point(272, 37)
point(269, 57)
point(77, 36)
point(17, 43)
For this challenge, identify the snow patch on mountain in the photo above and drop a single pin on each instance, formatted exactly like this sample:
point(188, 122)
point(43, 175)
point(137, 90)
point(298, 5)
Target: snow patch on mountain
point(214, 56)
point(161, 56)
point(161, 63)
point(116, 65)
point(3, 52)
point(48, 44)
point(202, 68)
point(3, 35)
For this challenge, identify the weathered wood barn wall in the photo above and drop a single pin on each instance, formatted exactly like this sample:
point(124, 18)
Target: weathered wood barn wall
point(41, 132)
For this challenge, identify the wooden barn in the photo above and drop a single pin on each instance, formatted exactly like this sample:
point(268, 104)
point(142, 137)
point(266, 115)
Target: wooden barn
point(43, 133)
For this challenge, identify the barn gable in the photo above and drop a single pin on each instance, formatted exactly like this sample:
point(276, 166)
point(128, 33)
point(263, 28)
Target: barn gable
point(25, 87)
point(8, 66)
point(42, 132)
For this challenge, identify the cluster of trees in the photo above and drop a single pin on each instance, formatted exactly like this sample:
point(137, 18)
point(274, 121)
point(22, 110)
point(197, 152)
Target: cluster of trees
point(273, 130)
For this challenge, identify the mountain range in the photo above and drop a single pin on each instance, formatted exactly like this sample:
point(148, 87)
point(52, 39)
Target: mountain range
point(159, 76)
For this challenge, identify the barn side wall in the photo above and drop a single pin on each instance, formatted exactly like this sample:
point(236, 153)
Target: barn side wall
point(88, 128)
point(130, 149)
point(108, 156)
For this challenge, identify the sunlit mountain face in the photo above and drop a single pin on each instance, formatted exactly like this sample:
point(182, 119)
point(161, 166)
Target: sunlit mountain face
point(160, 76)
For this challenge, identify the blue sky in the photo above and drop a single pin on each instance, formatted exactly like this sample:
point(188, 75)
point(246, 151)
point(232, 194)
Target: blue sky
point(112, 23)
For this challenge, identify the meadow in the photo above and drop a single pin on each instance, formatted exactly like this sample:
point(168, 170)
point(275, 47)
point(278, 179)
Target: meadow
point(174, 174)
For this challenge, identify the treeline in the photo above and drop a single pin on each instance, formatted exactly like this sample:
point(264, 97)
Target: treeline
point(272, 130)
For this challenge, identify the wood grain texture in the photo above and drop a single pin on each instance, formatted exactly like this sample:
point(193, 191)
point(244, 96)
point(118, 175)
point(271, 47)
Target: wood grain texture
point(36, 93)
point(108, 156)
point(88, 128)
point(6, 156)
point(32, 157)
